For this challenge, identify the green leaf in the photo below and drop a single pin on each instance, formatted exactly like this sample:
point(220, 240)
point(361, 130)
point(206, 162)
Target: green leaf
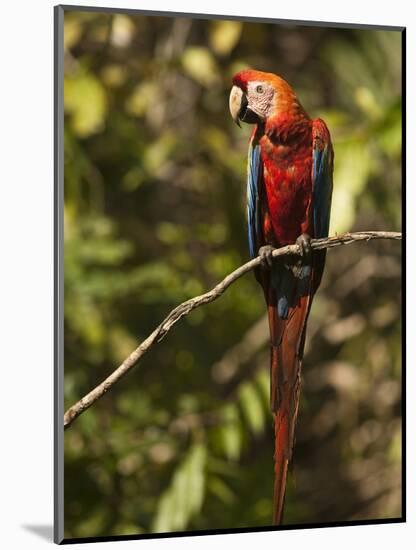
point(352, 168)
point(221, 490)
point(224, 35)
point(86, 101)
point(263, 383)
point(252, 407)
point(196, 478)
point(231, 434)
point(141, 98)
point(199, 63)
point(184, 497)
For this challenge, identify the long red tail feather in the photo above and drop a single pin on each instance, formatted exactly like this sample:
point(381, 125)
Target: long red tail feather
point(287, 339)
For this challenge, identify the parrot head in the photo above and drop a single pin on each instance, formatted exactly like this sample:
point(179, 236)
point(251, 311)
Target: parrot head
point(257, 97)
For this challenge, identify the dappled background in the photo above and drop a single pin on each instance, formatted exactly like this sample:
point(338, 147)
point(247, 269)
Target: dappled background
point(155, 214)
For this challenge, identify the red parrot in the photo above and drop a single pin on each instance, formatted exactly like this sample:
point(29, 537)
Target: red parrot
point(289, 189)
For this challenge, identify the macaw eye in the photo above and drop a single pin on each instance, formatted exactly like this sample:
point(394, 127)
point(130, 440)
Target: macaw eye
point(259, 89)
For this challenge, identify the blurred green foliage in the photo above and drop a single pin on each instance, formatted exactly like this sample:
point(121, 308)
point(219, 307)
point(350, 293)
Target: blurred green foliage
point(154, 214)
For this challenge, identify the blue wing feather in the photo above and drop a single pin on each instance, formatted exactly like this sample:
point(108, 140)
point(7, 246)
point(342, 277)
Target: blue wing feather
point(322, 186)
point(253, 179)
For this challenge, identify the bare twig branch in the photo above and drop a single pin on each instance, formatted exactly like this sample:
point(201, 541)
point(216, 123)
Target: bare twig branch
point(186, 307)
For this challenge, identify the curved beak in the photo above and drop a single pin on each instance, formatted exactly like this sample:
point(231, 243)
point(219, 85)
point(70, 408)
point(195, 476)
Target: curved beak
point(237, 103)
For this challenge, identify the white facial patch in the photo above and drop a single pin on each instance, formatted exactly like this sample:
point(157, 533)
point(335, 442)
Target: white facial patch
point(260, 98)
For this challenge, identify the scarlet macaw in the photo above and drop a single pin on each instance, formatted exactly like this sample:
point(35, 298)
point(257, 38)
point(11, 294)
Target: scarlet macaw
point(289, 189)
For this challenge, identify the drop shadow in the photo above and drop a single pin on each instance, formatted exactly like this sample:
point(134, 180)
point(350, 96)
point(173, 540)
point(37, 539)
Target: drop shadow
point(43, 531)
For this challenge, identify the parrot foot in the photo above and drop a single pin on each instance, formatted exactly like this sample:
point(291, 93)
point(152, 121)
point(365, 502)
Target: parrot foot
point(304, 243)
point(266, 257)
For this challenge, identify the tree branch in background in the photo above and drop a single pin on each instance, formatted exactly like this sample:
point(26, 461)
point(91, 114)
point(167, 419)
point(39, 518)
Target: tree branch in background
point(186, 307)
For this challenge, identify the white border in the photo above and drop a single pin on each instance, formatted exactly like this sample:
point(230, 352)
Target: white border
point(26, 219)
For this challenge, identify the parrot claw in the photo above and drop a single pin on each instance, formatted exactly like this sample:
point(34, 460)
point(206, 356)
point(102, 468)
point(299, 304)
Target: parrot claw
point(304, 243)
point(266, 256)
